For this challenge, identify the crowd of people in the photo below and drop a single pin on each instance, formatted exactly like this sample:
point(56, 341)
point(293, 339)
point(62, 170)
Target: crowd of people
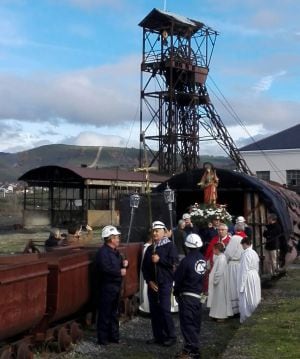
point(76, 235)
point(183, 269)
point(218, 267)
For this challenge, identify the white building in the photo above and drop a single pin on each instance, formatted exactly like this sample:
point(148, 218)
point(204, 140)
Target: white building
point(276, 158)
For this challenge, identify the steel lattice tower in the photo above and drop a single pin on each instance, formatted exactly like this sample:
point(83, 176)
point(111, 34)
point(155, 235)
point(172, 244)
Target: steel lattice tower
point(174, 98)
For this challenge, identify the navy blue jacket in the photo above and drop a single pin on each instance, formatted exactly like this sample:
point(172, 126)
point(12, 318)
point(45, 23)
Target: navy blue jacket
point(51, 242)
point(208, 234)
point(163, 271)
point(108, 265)
point(191, 229)
point(190, 273)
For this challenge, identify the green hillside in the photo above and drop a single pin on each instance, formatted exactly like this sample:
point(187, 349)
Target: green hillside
point(13, 165)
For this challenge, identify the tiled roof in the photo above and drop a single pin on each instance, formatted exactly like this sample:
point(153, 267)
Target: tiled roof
point(74, 174)
point(114, 174)
point(284, 140)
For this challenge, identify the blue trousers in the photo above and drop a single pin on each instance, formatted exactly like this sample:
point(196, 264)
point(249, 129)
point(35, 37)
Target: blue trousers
point(160, 309)
point(190, 309)
point(108, 315)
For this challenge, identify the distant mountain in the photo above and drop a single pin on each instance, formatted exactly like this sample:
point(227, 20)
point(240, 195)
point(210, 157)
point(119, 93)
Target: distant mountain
point(13, 165)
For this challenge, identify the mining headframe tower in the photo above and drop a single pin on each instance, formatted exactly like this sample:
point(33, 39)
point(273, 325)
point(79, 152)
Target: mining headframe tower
point(175, 102)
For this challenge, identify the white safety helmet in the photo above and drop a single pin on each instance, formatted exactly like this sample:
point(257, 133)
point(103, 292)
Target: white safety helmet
point(158, 225)
point(193, 241)
point(240, 219)
point(108, 231)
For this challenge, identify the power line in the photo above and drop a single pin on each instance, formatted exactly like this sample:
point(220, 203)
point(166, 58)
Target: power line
point(235, 116)
point(122, 155)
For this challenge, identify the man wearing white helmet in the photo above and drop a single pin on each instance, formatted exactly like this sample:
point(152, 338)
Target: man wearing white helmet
point(188, 287)
point(110, 269)
point(158, 270)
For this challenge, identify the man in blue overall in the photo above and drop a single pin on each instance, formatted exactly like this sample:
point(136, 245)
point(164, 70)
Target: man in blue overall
point(158, 270)
point(188, 287)
point(110, 269)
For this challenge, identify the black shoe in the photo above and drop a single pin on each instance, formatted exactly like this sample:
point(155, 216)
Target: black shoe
point(169, 342)
point(153, 341)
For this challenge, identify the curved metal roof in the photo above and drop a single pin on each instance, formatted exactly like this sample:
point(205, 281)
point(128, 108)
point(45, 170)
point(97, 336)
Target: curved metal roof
point(283, 202)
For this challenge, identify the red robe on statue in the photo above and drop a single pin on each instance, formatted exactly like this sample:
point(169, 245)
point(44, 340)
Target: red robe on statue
point(209, 183)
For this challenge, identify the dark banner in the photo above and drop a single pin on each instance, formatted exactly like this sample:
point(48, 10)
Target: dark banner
point(149, 210)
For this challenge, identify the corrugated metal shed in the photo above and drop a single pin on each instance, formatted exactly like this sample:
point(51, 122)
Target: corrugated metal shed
point(232, 186)
point(61, 196)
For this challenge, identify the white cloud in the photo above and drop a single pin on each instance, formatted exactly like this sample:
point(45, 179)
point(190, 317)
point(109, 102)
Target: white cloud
point(261, 38)
point(96, 139)
point(103, 95)
point(266, 82)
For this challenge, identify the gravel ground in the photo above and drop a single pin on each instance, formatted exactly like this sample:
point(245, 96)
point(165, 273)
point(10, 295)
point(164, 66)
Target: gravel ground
point(134, 334)
point(217, 339)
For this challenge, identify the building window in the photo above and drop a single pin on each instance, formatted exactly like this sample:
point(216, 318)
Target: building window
point(264, 175)
point(99, 198)
point(293, 177)
point(37, 198)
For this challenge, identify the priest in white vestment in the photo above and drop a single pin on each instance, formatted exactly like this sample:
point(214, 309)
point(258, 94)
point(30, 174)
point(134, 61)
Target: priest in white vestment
point(249, 281)
point(219, 300)
point(233, 254)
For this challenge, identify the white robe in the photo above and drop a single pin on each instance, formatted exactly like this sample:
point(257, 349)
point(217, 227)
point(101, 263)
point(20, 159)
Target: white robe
point(233, 254)
point(219, 300)
point(249, 284)
point(144, 302)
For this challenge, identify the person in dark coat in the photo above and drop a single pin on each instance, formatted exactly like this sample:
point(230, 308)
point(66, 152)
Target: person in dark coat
point(189, 227)
point(274, 241)
point(110, 268)
point(188, 287)
point(55, 239)
point(158, 271)
point(207, 234)
point(179, 239)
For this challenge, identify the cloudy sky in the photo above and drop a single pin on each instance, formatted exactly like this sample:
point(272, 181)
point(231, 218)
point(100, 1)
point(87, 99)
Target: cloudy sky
point(69, 69)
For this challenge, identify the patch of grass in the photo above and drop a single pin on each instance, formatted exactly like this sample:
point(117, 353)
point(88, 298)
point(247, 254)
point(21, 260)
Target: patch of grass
point(273, 330)
point(224, 332)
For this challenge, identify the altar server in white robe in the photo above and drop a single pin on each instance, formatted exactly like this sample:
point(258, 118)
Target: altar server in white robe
point(249, 281)
point(219, 300)
point(233, 254)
